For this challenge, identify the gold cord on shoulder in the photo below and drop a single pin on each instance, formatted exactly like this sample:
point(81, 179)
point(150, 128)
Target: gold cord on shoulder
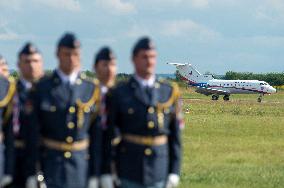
point(10, 93)
point(173, 98)
point(162, 106)
point(95, 99)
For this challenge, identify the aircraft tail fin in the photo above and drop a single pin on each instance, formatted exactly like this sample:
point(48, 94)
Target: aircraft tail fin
point(190, 74)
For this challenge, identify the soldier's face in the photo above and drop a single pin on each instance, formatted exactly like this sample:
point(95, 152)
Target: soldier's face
point(69, 59)
point(31, 66)
point(4, 70)
point(106, 71)
point(145, 62)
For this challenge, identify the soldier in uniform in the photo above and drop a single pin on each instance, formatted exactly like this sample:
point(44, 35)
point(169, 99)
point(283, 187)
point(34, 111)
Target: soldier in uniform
point(8, 154)
point(144, 112)
point(7, 91)
point(4, 69)
point(105, 68)
point(30, 64)
point(62, 112)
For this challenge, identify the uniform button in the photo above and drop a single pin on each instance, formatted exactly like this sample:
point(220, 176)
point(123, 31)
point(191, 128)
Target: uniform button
point(78, 81)
point(53, 108)
point(40, 178)
point(148, 151)
point(157, 85)
point(71, 125)
point(130, 111)
point(69, 139)
point(67, 154)
point(151, 125)
point(72, 109)
point(151, 110)
point(83, 76)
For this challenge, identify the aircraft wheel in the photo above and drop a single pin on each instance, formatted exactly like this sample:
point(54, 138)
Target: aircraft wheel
point(259, 99)
point(215, 97)
point(226, 98)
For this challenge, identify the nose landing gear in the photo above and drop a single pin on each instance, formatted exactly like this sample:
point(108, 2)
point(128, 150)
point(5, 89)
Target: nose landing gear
point(259, 99)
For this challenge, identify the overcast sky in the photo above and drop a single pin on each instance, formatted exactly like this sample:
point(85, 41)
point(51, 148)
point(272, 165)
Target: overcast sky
point(213, 35)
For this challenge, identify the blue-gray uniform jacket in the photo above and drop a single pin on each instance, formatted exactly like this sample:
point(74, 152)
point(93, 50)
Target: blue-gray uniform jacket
point(61, 120)
point(149, 129)
point(19, 121)
point(7, 91)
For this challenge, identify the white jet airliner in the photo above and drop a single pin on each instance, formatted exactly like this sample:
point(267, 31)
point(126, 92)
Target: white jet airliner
point(207, 85)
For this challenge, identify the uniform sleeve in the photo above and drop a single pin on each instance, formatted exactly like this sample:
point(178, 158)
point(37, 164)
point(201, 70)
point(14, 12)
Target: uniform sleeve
point(175, 141)
point(32, 137)
point(8, 142)
point(110, 134)
point(95, 151)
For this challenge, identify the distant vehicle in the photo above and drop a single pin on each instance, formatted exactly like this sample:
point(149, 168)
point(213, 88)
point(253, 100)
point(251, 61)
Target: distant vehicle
point(207, 85)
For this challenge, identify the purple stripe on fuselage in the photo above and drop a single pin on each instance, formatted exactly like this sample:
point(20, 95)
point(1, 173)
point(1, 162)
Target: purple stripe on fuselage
point(253, 90)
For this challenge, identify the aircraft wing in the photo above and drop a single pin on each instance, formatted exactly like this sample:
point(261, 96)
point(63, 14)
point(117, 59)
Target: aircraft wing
point(210, 91)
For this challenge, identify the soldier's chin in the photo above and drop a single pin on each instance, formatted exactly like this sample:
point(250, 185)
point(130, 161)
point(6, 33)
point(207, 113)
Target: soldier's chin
point(70, 70)
point(150, 72)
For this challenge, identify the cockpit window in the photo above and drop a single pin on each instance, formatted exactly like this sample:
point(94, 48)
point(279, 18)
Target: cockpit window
point(263, 83)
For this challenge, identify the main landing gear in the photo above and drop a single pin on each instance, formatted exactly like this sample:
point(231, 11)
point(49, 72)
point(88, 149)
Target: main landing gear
point(216, 97)
point(226, 98)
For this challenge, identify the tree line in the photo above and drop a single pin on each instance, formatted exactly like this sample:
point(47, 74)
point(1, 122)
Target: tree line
point(274, 79)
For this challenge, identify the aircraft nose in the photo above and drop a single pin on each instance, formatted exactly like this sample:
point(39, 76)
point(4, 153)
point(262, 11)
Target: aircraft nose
point(272, 90)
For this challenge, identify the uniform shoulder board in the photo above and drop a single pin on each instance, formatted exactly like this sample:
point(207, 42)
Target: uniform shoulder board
point(168, 83)
point(165, 82)
point(45, 77)
point(121, 83)
point(43, 82)
point(162, 80)
point(83, 76)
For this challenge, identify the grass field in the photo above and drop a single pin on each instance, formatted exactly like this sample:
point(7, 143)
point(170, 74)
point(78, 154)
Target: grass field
point(234, 144)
